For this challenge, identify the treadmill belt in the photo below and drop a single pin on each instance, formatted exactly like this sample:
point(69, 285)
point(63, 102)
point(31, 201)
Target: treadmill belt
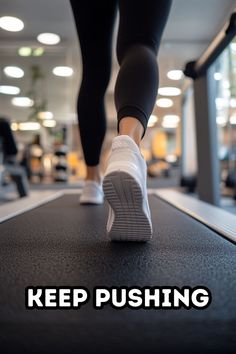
point(64, 244)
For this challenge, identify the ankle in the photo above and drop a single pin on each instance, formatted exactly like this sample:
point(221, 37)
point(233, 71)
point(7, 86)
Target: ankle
point(93, 174)
point(132, 127)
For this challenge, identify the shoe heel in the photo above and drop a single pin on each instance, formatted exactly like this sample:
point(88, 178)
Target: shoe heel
point(125, 197)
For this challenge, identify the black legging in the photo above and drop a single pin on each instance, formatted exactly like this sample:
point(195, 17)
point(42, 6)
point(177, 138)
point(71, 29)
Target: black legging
point(140, 30)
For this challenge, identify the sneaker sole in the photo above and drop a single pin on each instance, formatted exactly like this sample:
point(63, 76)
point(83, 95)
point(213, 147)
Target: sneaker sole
point(124, 195)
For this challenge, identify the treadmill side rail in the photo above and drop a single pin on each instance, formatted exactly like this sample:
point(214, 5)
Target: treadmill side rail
point(219, 220)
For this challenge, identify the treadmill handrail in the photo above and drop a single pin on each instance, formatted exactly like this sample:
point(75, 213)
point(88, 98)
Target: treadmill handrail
point(197, 68)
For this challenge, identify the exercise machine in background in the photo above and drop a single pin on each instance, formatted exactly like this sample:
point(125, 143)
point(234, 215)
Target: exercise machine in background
point(9, 166)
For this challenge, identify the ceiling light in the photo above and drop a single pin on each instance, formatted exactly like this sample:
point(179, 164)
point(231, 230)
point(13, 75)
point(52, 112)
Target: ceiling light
point(152, 120)
point(169, 125)
point(14, 126)
point(9, 90)
point(12, 24)
point(22, 102)
point(13, 71)
point(48, 38)
point(170, 121)
point(45, 115)
point(171, 118)
point(175, 74)
point(62, 71)
point(232, 119)
point(49, 123)
point(217, 76)
point(24, 51)
point(37, 52)
point(221, 120)
point(169, 91)
point(164, 102)
point(29, 126)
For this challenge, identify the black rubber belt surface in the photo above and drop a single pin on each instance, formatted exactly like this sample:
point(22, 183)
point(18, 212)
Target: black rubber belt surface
point(62, 243)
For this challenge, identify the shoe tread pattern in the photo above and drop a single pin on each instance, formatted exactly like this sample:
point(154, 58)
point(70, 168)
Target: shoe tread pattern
point(125, 197)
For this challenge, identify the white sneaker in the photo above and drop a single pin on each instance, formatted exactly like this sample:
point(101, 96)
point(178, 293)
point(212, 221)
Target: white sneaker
point(125, 189)
point(92, 193)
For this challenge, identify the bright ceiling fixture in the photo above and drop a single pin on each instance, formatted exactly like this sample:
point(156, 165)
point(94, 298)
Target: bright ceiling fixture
point(49, 123)
point(48, 38)
point(12, 24)
point(164, 102)
point(13, 71)
point(217, 76)
point(22, 102)
point(29, 126)
point(169, 125)
point(9, 90)
point(14, 126)
point(37, 52)
point(24, 51)
point(232, 119)
point(152, 120)
point(45, 115)
point(171, 118)
point(170, 121)
point(27, 51)
point(169, 91)
point(175, 74)
point(63, 71)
